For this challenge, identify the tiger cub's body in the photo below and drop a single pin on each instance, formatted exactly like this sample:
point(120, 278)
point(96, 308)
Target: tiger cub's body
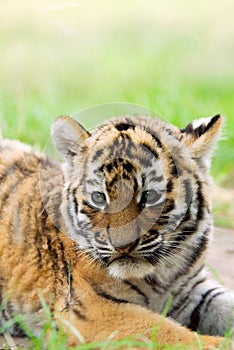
point(124, 222)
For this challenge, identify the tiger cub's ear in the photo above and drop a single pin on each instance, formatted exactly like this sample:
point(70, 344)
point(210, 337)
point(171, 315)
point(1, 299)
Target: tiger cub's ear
point(68, 135)
point(200, 137)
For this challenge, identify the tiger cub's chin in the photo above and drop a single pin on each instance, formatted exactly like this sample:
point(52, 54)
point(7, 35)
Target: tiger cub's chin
point(125, 269)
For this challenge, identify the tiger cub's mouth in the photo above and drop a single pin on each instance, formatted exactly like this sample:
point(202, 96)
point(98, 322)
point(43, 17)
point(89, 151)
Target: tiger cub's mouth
point(127, 266)
point(124, 259)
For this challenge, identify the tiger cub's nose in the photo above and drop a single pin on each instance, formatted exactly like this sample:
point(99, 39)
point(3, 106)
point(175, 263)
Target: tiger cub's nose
point(127, 248)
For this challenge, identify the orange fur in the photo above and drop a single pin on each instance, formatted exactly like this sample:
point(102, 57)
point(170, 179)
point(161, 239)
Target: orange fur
point(35, 257)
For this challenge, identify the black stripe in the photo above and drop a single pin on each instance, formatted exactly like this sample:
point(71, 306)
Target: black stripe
point(162, 220)
point(78, 313)
point(13, 167)
point(147, 157)
point(128, 149)
point(129, 167)
point(68, 192)
point(124, 126)
point(186, 218)
point(18, 331)
point(108, 231)
point(156, 139)
point(5, 313)
point(107, 296)
point(211, 299)
point(116, 164)
point(186, 232)
point(121, 146)
point(110, 184)
point(153, 235)
point(72, 198)
point(182, 305)
point(127, 126)
point(60, 264)
point(157, 178)
point(153, 173)
point(45, 162)
point(10, 190)
point(43, 216)
point(8, 313)
point(135, 186)
point(191, 259)
point(201, 247)
point(66, 267)
point(53, 252)
point(152, 150)
point(138, 291)
point(155, 284)
point(188, 129)
point(101, 241)
point(97, 155)
point(213, 121)
point(195, 315)
point(170, 186)
point(201, 129)
point(125, 136)
point(200, 200)
point(76, 305)
point(75, 200)
point(145, 162)
point(174, 170)
point(68, 209)
point(110, 166)
point(169, 205)
point(90, 206)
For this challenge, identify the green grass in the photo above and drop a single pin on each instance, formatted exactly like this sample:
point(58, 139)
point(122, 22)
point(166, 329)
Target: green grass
point(53, 337)
point(62, 60)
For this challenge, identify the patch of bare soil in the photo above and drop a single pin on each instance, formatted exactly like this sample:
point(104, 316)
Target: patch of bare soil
point(223, 208)
point(221, 256)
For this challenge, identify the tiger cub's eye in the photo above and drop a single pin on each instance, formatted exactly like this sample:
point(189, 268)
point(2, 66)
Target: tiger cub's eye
point(98, 198)
point(150, 197)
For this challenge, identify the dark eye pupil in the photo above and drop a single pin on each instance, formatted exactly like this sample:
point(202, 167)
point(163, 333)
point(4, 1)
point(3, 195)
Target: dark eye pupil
point(98, 198)
point(150, 197)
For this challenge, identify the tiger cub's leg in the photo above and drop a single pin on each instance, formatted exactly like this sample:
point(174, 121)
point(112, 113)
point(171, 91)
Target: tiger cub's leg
point(119, 321)
point(209, 309)
point(97, 318)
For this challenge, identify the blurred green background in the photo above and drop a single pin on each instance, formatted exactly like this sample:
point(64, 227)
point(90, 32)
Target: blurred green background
point(175, 57)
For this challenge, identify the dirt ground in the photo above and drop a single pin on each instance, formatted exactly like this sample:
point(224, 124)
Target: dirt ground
point(220, 258)
point(221, 255)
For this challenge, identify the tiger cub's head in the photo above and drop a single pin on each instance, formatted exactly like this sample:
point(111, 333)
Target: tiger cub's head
point(134, 193)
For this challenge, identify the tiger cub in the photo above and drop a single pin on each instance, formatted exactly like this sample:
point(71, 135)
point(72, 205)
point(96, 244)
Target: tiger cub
point(111, 235)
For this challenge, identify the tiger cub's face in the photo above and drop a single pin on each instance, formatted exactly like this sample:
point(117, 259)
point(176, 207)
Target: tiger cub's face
point(133, 189)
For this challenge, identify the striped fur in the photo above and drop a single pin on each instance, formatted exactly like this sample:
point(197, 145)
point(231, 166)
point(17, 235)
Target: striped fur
point(125, 221)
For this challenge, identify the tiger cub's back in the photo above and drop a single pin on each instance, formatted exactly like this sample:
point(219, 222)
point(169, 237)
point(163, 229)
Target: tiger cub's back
point(30, 250)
